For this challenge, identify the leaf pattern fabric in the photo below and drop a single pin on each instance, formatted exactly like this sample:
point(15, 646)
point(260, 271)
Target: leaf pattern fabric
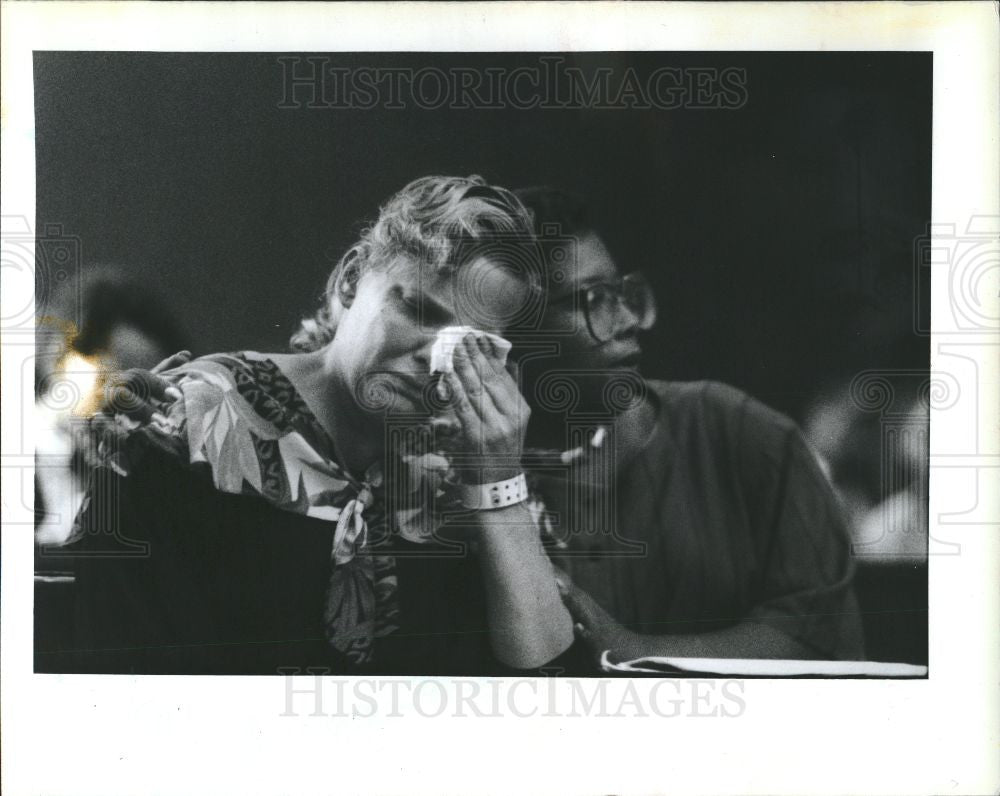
point(242, 423)
point(241, 419)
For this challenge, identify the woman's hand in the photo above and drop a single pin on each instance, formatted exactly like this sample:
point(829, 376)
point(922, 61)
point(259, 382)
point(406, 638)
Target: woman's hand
point(490, 409)
point(528, 624)
point(595, 626)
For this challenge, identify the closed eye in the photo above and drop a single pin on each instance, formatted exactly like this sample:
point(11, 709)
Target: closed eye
point(433, 315)
point(421, 308)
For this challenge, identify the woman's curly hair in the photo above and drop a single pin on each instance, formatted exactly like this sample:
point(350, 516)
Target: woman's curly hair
point(440, 222)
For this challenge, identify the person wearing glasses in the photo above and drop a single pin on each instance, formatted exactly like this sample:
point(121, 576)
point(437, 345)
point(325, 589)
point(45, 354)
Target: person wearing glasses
point(689, 520)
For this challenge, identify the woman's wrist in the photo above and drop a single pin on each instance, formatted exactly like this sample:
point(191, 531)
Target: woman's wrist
point(474, 476)
point(492, 475)
point(495, 495)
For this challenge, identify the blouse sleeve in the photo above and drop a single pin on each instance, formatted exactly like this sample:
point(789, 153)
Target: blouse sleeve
point(807, 569)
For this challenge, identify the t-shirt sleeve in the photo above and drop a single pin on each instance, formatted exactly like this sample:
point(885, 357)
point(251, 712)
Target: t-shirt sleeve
point(806, 570)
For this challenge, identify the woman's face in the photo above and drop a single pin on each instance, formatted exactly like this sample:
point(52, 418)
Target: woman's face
point(386, 330)
point(579, 349)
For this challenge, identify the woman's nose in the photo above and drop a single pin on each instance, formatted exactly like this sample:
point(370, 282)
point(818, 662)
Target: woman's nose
point(423, 341)
point(628, 321)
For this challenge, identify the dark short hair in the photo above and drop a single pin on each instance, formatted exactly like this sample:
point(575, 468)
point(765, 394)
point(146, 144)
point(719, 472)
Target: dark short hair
point(558, 217)
point(555, 209)
point(84, 313)
point(111, 298)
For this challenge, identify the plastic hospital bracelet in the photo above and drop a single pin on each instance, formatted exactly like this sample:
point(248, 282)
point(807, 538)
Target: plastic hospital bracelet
point(497, 495)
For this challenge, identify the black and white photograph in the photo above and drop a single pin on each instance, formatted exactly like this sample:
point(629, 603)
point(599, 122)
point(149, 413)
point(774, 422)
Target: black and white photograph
point(442, 367)
point(497, 362)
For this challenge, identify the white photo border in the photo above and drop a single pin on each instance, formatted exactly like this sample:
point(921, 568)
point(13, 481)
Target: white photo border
point(117, 734)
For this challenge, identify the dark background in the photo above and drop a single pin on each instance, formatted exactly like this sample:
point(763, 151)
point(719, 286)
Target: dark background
point(778, 236)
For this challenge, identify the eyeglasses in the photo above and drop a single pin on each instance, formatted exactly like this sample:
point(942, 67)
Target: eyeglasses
point(610, 307)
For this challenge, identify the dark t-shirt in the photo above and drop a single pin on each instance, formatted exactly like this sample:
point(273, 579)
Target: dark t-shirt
point(724, 515)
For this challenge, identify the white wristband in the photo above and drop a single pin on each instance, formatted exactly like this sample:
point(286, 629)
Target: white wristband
point(497, 495)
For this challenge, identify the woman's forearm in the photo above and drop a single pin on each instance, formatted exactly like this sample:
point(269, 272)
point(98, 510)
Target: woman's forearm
point(748, 639)
point(529, 625)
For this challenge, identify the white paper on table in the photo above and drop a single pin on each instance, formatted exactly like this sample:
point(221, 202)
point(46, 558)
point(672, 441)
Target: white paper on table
point(764, 667)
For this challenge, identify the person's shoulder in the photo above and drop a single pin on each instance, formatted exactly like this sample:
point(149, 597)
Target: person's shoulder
point(724, 412)
point(253, 378)
point(717, 400)
point(216, 377)
point(244, 363)
point(698, 394)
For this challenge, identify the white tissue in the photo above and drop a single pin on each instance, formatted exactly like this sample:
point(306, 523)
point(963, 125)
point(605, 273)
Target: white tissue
point(448, 339)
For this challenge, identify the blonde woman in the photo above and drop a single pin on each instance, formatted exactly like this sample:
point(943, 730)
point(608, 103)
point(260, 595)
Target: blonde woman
point(256, 506)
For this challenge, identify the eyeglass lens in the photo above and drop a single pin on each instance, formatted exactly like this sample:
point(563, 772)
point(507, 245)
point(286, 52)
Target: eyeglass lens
point(605, 305)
